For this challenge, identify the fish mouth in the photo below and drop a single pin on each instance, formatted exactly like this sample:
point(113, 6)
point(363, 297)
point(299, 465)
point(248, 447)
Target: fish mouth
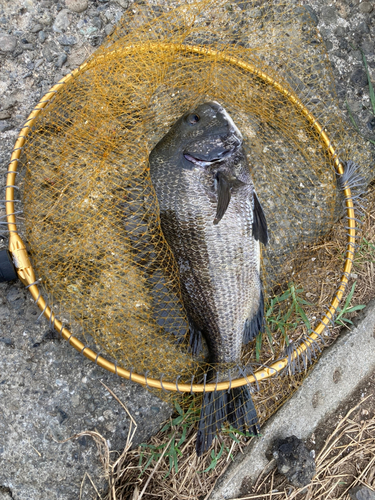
point(204, 163)
point(220, 148)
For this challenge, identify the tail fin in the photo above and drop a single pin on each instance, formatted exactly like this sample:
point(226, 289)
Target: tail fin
point(235, 407)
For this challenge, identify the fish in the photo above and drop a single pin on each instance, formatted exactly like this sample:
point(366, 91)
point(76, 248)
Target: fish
point(214, 223)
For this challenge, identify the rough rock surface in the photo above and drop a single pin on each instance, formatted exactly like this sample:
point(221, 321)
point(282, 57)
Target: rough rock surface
point(347, 27)
point(48, 391)
point(294, 461)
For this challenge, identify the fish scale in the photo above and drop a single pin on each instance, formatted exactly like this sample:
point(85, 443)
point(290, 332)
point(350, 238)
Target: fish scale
point(207, 204)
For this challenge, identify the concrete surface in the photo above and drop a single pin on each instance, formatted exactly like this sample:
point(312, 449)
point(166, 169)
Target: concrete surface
point(335, 377)
point(48, 393)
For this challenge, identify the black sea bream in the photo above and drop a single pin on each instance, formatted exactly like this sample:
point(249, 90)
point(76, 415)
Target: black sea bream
point(213, 222)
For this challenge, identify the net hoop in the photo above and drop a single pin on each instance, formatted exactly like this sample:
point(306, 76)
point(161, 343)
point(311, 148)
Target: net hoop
point(27, 276)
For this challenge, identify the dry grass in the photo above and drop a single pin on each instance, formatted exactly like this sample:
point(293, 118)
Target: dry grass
point(346, 460)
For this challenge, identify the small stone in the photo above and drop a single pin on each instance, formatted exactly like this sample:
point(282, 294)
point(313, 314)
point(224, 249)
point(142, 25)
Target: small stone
point(62, 21)
point(49, 52)
point(5, 115)
point(67, 40)
point(36, 28)
point(38, 63)
point(357, 55)
point(28, 46)
point(371, 123)
point(361, 493)
point(7, 341)
point(359, 77)
point(123, 3)
point(96, 40)
point(109, 29)
point(340, 31)
point(61, 60)
point(76, 5)
point(4, 126)
point(78, 56)
point(355, 106)
point(97, 22)
point(294, 461)
point(367, 47)
point(343, 44)
point(9, 102)
point(7, 43)
point(329, 14)
point(363, 28)
point(46, 19)
point(365, 7)
point(42, 36)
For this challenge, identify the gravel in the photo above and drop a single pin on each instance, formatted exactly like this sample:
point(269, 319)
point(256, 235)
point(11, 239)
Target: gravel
point(76, 5)
point(7, 43)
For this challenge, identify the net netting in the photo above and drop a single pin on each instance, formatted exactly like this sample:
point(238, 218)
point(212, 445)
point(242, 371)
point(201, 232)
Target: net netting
point(92, 223)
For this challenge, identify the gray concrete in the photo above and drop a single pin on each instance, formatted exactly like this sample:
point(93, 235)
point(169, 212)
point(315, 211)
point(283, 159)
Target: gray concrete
point(48, 393)
point(339, 371)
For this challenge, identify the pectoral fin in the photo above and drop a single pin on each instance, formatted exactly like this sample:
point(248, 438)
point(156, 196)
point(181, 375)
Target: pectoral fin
point(224, 187)
point(260, 231)
point(223, 196)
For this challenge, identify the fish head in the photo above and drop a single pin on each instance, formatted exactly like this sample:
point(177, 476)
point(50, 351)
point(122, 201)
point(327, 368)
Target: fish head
point(204, 136)
point(211, 135)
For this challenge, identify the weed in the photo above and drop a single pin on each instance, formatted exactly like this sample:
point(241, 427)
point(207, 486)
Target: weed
point(284, 313)
point(340, 319)
point(178, 427)
point(214, 459)
point(365, 253)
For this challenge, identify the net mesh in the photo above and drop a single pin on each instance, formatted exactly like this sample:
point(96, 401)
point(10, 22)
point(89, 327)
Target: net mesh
point(91, 215)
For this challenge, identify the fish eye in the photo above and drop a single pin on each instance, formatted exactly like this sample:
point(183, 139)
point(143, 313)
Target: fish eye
point(193, 118)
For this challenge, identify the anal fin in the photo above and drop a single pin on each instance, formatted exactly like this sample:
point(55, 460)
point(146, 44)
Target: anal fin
point(195, 339)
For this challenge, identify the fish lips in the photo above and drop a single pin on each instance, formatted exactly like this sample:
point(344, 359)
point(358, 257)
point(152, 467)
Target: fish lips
point(212, 150)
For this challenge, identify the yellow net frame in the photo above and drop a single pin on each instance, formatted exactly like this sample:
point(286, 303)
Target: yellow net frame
point(27, 276)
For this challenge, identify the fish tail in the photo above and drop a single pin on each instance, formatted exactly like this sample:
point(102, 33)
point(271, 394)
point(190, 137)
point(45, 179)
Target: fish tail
point(234, 406)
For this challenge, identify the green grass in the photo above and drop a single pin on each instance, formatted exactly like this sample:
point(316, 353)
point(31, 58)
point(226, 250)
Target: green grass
point(346, 309)
point(283, 314)
point(176, 433)
point(365, 253)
